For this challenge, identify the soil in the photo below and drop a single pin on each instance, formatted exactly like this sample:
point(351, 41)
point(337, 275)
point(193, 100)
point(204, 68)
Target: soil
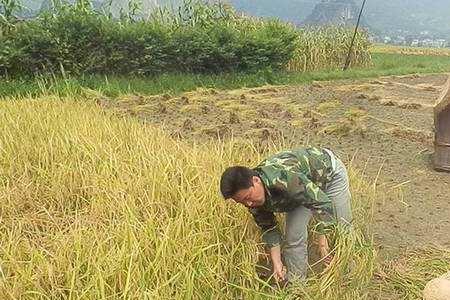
point(384, 126)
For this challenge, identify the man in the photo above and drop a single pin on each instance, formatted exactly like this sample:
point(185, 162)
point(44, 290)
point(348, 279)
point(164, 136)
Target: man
point(301, 183)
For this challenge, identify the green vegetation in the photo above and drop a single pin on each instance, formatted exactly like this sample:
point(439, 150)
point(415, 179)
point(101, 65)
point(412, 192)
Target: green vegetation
point(383, 64)
point(327, 48)
point(197, 38)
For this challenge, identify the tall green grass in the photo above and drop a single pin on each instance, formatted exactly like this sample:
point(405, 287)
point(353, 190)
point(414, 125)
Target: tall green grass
point(383, 64)
point(327, 48)
point(197, 37)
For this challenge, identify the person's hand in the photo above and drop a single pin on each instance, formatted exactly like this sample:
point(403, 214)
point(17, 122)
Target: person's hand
point(325, 255)
point(279, 272)
point(324, 250)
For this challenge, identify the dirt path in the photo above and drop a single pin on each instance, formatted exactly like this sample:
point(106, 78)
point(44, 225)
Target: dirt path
point(385, 125)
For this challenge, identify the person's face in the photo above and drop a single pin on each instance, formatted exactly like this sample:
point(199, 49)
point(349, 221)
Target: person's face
point(254, 196)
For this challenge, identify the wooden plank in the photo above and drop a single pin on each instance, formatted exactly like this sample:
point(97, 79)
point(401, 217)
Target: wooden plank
point(444, 100)
point(442, 130)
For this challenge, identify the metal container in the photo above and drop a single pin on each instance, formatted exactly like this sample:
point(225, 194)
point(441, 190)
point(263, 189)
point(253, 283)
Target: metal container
point(441, 158)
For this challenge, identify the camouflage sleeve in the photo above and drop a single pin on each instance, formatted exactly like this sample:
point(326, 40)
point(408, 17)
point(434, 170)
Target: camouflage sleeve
point(266, 220)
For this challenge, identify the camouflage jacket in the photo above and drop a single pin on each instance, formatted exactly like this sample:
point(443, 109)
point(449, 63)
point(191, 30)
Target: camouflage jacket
point(293, 178)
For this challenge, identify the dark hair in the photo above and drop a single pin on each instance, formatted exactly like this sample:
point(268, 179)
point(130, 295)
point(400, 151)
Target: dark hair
point(235, 179)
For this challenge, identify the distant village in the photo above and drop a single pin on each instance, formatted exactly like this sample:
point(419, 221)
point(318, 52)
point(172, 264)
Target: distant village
point(345, 12)
point(403, 38)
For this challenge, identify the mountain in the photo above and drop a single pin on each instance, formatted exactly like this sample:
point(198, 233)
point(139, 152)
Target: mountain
point(294, 11)
point(410, 15)
point(340, 12)
point(32, 7)
point(382, 16)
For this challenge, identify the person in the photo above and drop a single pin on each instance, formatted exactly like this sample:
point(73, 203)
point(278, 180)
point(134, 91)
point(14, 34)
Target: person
point(302, 183)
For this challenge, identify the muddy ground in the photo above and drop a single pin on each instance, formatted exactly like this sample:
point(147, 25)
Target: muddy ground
point(384, 126)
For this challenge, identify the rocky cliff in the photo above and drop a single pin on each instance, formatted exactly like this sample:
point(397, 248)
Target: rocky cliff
point(337, 12)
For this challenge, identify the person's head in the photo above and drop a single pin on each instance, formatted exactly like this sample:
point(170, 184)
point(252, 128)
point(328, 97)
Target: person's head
point(243, 185)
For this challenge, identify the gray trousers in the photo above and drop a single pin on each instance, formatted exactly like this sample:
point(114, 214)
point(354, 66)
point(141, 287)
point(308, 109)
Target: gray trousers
point(295, 250)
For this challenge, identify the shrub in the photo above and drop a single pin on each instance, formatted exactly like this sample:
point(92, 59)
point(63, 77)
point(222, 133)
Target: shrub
point(197, 38)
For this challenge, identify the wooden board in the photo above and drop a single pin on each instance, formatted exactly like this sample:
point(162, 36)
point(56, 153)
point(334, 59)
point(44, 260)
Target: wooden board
point(442, 130)
point(444, 100)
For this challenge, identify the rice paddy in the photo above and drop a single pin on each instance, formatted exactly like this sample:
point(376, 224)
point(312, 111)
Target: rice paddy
point(101, 206)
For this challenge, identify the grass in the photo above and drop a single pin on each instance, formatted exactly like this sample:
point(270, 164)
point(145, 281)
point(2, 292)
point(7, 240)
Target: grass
point(383, 64)
point(95, 206)
point(405, 277)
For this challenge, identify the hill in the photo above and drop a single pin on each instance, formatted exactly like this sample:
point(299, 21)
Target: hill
point(382, 15)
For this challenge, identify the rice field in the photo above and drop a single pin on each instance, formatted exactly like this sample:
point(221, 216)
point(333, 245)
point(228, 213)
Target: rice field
point(404, 50)
point(94, 206)
point(99, 206)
